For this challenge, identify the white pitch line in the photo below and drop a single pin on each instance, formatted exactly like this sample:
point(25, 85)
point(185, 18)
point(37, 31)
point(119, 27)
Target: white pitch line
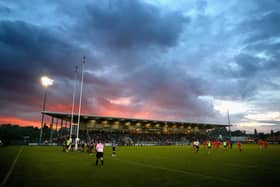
point(3, 183)
point(182, 171)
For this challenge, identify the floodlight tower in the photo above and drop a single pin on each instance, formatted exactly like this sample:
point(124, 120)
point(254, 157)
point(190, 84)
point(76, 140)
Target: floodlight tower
point(46, 82)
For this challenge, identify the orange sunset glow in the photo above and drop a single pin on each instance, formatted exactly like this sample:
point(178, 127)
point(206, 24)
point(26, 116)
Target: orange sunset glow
point(20, 121)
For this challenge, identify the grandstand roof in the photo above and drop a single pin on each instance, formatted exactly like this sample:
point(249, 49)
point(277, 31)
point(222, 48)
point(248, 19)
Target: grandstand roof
point(85, 118)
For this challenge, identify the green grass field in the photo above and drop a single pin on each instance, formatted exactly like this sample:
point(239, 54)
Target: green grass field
point(142, 166)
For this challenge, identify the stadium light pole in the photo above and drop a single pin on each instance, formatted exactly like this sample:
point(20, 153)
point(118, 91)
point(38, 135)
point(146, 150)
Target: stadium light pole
point(46, 82)
point(79, 114)
point(73, 102)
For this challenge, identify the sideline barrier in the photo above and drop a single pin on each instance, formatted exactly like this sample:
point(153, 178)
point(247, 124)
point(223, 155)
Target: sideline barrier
point(43, 144)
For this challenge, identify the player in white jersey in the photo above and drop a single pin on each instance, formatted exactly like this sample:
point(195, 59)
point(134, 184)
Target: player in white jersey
point(196, 145)
point(99, 148)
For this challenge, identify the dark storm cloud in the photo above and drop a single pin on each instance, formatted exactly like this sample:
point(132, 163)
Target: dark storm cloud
point(28, 47)
point(262, 36)
point(164, 92)
point(27, 52)
point(263, 33)
point(160, 92)
point(264, 27)
point(239, 82)
point(126, 24)
point(4, 10)
point(248, 65)
point(159, 58)
point(252, 68)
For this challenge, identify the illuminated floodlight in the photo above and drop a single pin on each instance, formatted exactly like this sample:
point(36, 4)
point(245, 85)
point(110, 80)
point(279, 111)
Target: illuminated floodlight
point(46, 81)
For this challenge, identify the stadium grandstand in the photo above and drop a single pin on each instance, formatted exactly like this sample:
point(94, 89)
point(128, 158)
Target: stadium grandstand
point(132, 130)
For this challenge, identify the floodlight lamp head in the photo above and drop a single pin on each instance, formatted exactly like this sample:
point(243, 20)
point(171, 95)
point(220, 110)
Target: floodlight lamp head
point(46, 81)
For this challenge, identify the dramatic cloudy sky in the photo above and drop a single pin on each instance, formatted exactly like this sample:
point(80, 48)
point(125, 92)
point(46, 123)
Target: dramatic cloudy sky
point(178, 60)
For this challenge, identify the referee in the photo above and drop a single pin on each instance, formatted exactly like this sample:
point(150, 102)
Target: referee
point(99, 148)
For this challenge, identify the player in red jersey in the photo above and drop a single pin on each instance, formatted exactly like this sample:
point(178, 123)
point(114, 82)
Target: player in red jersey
point(239, 146)
point(218, 144)
point(228, 144)
point(265, 144)
point(260, 143)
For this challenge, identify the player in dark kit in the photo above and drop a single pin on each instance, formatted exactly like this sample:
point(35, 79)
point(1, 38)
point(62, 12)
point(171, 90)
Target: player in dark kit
point(114, 148)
